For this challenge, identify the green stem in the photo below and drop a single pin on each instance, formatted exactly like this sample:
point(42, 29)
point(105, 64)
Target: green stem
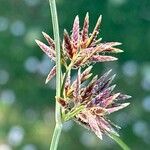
point(119, 141)
point(64, 79)
point(68, 69)
point(55, 139)
point(58, 127)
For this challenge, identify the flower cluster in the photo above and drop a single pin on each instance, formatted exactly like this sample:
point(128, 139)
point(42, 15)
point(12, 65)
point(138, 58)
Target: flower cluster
point(88, 103)
point(80, 48)
point(91, 104)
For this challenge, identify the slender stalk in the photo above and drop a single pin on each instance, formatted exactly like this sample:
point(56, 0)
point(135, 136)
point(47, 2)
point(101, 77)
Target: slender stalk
point(64, 79)
point(58, 127)
point(55, 139)
point(119, 142)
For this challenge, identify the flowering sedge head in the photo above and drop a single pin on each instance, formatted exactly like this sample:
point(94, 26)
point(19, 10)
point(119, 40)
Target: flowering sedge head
point(88, 105)
point(80, 48)
point(91, 105)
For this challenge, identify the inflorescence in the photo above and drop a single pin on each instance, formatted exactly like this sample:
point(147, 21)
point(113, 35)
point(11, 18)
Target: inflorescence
point(87, 102)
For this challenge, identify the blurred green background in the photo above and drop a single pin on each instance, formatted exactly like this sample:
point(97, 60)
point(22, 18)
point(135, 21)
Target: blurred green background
point(27, 104)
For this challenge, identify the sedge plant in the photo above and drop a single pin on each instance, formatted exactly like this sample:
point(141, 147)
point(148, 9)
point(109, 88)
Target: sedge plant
point(89, 99)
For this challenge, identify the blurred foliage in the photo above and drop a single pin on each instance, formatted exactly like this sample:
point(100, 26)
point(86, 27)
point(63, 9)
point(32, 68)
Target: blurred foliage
point(27, 105)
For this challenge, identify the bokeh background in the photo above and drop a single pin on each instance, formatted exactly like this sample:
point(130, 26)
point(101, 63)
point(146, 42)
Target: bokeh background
point(27, 104)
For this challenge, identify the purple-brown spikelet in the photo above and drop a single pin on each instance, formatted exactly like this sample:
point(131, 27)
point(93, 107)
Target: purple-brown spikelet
point(100, 58)
point(67, 45)
point(92, 38)
point(86, 92)
point(87, 102)
point(67, 84)
point(51, 74)
point(84, 33)
point(75, 34)
point(49, 40)
point(47, 50)
point(85, 75)
point(76, 88)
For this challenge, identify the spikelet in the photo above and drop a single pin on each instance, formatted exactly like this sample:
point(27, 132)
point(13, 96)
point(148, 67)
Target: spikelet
point(75, 34)
point(49, 40)
point(84, 33)
point(51, 74)
point(47, 50)
point(67, 44)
